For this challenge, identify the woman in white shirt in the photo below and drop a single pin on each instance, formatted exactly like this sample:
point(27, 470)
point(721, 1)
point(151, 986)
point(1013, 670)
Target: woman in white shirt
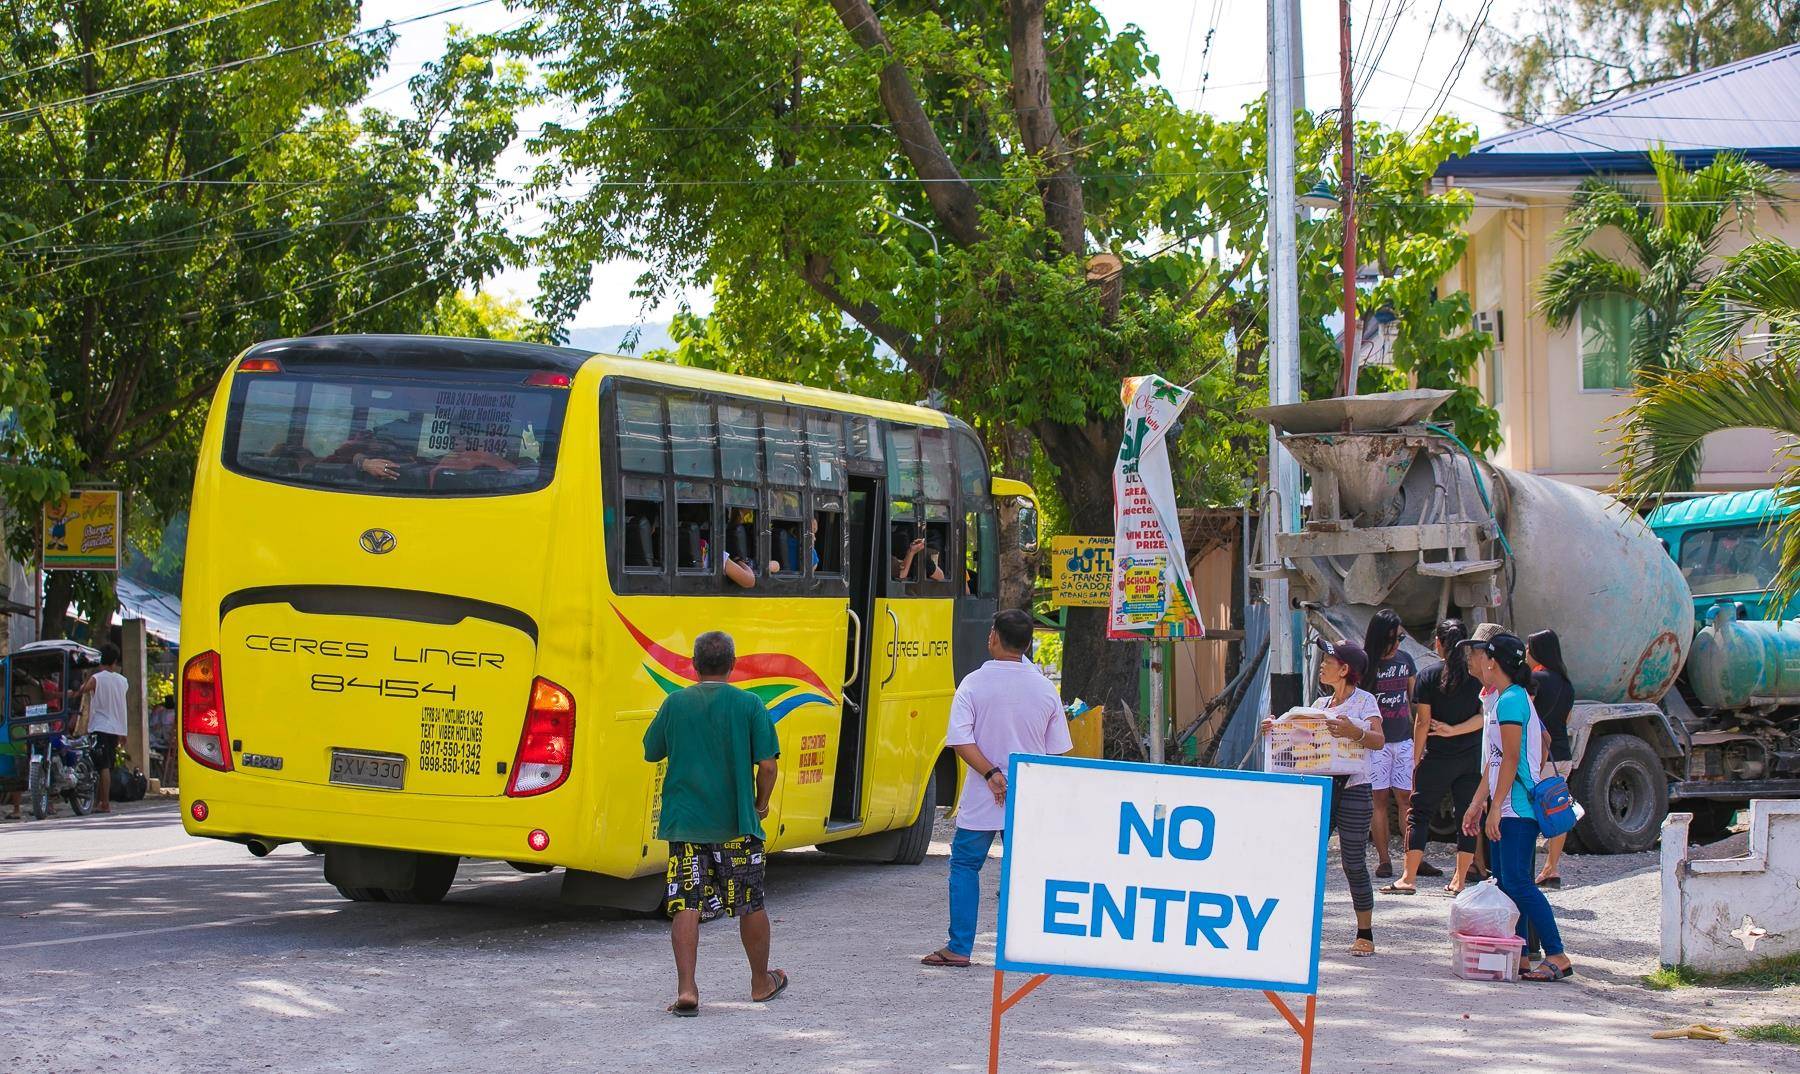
point(1355, 717)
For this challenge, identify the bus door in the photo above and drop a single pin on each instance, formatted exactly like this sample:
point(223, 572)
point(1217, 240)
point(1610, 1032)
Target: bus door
point(865, 570)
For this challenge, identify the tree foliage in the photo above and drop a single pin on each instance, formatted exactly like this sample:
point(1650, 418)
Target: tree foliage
point(1671, 238)
point(996, 203)
point(192, 191)
point(1562, 57)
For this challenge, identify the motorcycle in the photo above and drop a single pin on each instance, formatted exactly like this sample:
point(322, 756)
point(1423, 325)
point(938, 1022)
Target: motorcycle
point(61, 767)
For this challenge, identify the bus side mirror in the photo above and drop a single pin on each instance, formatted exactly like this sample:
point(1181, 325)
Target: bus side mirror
point(1028, 526)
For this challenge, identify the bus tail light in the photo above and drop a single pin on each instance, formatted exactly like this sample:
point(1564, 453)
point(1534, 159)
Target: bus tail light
point(547, 743)
point(203, 712)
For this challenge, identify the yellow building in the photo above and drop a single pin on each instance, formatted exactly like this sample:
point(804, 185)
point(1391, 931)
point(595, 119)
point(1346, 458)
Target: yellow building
point(1558, 390)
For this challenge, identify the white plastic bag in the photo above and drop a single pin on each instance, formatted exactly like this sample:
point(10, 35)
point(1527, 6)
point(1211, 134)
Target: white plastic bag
point(1484, 910)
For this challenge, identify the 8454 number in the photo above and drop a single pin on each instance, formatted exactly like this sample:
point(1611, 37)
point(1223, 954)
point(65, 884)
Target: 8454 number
point(326, 683)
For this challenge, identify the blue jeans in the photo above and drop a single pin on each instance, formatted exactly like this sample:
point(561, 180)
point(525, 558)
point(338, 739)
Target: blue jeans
point(967, 853)
point(1513, 858)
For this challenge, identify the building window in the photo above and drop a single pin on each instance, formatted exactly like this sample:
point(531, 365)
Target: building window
point(1606, 336)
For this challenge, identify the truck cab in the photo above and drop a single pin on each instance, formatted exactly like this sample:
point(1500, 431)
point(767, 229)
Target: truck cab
point(1727, 549)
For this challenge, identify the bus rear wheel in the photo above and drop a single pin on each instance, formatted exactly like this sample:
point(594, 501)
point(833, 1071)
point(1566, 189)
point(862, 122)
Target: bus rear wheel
point(362, 894)
point(432, 878)
point(371, 874)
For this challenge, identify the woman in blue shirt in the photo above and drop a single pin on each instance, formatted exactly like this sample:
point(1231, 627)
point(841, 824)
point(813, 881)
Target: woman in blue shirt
point(1513, 744)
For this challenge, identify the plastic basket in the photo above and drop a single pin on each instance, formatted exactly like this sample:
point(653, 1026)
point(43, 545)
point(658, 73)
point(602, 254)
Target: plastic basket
point(1485, 958)
point(1302, 743)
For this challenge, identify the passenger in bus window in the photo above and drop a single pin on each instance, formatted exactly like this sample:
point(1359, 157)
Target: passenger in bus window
point(380, 453)
point(915, 547)
point(741, 572)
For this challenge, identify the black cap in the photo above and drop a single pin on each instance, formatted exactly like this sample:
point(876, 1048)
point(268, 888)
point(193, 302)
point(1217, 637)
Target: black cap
point(1351, 654)
point(1506, 649)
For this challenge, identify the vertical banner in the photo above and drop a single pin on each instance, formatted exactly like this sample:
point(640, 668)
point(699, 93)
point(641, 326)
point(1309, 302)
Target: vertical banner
point(84, 531)
point(1152, 594)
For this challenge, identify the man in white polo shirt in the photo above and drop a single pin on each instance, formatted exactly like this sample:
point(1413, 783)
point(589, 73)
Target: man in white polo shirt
point(1004, 707)
point(106, 722)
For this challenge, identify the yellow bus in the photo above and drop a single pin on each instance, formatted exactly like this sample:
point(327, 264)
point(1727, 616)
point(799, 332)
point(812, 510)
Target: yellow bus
point(436, 589)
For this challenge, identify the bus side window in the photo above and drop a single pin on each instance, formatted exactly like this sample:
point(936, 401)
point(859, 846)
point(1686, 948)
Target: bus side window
point(786, 539)
point(981, 560)
point(905, 563)
point(935, 573)
point(741, 528)
point(825, 472)
point(643, 528)
point(694, 537)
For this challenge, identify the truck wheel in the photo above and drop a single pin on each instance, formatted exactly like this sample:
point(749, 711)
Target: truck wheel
point(1621, 785)
point(915, 841)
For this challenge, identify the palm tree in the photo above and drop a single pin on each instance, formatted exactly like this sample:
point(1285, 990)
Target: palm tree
point(1672, 237)
point(1754, 299)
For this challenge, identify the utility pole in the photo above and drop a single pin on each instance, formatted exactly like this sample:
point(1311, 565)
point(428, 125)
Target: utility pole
point(1283, 506)
point(1347, 131)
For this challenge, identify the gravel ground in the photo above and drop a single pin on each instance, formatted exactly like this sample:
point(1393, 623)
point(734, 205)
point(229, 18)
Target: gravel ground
point(203, 959)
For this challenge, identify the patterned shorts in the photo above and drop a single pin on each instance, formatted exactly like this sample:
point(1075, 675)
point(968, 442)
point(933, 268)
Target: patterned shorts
point(715, 878)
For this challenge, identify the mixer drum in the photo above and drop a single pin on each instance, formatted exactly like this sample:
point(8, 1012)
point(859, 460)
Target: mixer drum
point(1590, 569)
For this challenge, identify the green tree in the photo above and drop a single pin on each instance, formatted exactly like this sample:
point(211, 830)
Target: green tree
point(479, 315)
point(1560, 57)
point(1671, 238)
point(1752, 303)
point(198, 178)
point(998, 205)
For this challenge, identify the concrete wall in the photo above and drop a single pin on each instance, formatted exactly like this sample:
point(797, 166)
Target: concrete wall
point(1550, 424)
point(1727, 914)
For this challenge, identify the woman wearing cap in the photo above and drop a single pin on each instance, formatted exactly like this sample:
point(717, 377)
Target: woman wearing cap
point(1514, 743)
point(1355, 717)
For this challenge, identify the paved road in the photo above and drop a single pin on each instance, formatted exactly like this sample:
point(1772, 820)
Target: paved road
point(126, 945)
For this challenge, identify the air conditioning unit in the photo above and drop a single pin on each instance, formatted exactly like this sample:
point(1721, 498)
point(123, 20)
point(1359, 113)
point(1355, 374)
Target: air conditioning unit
point(1493, 322)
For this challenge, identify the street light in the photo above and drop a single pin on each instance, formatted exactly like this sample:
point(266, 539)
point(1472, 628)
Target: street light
point(1323, 195)
point(937, 316)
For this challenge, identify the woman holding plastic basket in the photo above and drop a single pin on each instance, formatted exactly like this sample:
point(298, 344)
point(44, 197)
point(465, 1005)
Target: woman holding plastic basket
point(1354, 716)
point(1514, 744)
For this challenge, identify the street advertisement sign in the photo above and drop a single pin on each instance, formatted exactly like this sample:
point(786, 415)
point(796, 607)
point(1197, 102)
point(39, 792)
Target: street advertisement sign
point(84, 531)
point(1081, 572)
point(1163, 873)
point(1152, 593)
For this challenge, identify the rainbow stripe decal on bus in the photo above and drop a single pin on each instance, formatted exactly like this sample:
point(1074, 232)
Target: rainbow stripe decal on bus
point(782, 682)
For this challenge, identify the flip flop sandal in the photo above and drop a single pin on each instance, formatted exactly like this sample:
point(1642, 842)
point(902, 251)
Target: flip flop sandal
point(1546, 972)
point(781, 983)
point(938, 958)
point(1396, 889)
point(1429, 870)
point(1553, 883)
point(684, 1010)
point(1452, 890)
point(1362, 949)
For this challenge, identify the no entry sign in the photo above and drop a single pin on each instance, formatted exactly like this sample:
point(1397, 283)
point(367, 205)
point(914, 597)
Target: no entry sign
point(1163, 873)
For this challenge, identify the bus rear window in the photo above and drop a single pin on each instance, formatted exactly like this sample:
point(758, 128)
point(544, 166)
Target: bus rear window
point(421, 435)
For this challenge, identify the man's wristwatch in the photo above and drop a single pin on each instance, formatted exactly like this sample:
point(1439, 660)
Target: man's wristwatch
point(991, 773)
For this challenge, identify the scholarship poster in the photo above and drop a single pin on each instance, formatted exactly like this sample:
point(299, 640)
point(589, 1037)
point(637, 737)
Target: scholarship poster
point(1152, 593)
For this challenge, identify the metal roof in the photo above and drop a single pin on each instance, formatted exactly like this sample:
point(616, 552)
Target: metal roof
point(1751, 506)
point(1752, 106)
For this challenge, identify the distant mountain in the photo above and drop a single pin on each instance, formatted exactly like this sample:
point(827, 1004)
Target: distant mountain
point(610, 337)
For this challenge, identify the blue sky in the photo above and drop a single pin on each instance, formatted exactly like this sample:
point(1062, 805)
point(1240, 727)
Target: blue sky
point(1416, 49)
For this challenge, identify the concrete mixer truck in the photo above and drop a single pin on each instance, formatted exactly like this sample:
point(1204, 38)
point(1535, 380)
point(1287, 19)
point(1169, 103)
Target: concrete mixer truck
point(1403, 516)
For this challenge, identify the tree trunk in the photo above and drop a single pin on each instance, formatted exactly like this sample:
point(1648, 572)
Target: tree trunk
point(1018, 568)
point(59, 589)
point(1097, 670)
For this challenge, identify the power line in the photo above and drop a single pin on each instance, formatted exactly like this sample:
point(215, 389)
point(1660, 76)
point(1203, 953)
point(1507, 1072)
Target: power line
point(58, 62)
point(149, 84)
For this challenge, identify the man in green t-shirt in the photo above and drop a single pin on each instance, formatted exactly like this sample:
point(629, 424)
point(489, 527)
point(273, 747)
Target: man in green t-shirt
point(720, 746)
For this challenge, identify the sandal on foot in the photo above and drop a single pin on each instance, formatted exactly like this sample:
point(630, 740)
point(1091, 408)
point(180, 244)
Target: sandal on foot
point(945, 959)
point(1384, 870)
point(1427, 869)
point(1362, 948)
point(1397, 888)
point(1554, 883)
point(684, 1010)
point(780, 978)
point(1545, 972)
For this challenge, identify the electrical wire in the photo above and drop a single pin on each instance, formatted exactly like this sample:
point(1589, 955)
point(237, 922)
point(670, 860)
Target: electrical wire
point(162, 81)
point(59, 61)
